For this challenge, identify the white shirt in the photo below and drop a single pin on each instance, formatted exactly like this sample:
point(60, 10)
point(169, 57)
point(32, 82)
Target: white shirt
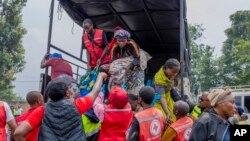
point(9, 115)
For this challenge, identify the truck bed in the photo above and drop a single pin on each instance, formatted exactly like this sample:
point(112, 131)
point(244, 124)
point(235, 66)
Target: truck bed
point(154, 24)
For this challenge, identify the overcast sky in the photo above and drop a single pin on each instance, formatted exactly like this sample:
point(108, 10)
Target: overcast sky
point(212, 14)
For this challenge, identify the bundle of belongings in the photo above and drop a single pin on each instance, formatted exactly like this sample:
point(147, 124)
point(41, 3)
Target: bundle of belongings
point(87, 81)
point(133, 79)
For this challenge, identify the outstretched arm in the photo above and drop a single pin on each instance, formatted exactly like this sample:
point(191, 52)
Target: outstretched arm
point(162, 90)
point(97, 87)
point(43, 65)
point(22, 131)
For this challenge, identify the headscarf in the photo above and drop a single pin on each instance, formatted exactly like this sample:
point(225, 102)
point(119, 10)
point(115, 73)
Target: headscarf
point(56, 55)
point(121, 34)
point(217, 96)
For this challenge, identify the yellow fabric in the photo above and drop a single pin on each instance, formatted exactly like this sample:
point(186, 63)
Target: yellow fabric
point(161, 79)
point(196, 112)
point(243, 123)
point(169, 134)
point(89, 126)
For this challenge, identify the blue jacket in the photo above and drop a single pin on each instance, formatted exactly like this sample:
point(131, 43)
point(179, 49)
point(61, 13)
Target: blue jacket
point(209, 127)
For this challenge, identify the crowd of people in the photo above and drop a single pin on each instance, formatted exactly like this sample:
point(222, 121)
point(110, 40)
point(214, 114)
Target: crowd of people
point(155, 112)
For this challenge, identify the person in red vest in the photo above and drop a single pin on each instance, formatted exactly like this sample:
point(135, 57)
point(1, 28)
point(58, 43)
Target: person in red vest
point(35, 99)
point(6, 117)
point(59, 67)
point(181, 129)
point(116, 116)
point(149, 123)
point(96, 44)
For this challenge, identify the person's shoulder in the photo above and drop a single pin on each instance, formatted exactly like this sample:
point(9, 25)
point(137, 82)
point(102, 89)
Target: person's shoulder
point(99, 30)
point(4, 103)
point(115, 47)
point(158, 111)
point(40, 108)
point(204, 118)
point(22, 117)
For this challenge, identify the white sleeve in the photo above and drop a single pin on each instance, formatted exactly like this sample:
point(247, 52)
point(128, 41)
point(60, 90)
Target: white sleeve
point(9, 115)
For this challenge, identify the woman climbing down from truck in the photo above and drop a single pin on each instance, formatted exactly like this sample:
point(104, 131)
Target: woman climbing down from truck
point(128, 62)
point(163, 84)
point(125, 47)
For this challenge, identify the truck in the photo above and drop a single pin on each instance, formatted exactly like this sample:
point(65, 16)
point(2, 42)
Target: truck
point(158, 26)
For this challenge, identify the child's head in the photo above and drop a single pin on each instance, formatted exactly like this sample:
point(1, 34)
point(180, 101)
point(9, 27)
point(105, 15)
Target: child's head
point(118, 97)
point(133, 101)
point(171, 68)
point(146, 95)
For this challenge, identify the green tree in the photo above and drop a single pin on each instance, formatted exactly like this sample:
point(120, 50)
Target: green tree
point(11, 48)
point(242, 59)
point(234, 68)
point(204, 69)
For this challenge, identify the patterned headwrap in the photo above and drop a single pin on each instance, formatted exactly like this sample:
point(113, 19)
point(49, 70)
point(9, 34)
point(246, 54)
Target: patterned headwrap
point(217, 96)
point(121, 34)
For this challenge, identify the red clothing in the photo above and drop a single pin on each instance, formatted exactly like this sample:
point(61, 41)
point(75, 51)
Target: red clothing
point(82, 104)
point(95, 48)
point(183, 128)
point(3, 136)
point(59, 67)
point(115, 124)
point(151, 122)
point(32, 136)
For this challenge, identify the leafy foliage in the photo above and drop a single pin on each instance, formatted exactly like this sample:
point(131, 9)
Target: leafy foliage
point(236, 48)
point(204, 68)
point(11, 48)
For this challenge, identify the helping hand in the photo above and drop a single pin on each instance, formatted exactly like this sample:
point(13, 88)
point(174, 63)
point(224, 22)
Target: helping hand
point(98, 63)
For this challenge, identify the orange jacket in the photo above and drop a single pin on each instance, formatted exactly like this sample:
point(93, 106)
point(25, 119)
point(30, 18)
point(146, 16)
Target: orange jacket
point(95, 48)
point(151, 122)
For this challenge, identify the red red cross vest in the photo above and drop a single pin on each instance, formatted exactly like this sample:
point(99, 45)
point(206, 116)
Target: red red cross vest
point(115, 124)
point(95, 48)
point(151, 122)
point(183, 128)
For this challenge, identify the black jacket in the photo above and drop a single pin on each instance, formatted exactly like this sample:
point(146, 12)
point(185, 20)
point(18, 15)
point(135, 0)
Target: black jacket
point(61, 122)
point(209, 127)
